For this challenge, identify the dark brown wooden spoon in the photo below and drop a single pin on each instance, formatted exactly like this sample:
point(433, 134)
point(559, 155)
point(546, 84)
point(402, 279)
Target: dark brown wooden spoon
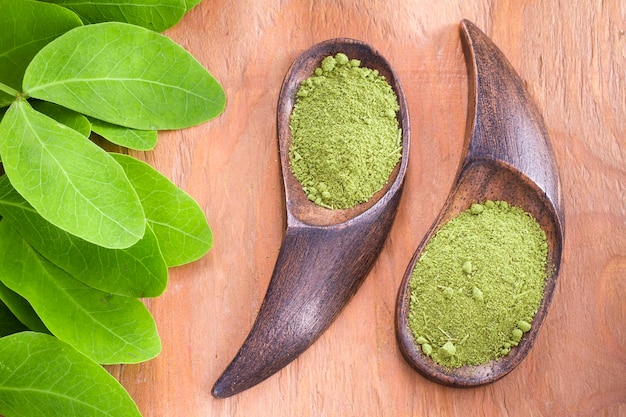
point(325, 254)
point(508, 157)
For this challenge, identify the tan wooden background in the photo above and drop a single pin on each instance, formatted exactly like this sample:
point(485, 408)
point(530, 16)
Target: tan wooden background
point(572, 54)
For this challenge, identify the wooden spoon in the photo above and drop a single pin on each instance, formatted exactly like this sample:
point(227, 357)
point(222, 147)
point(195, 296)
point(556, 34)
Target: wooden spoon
point(325, 254)
point(508, 157)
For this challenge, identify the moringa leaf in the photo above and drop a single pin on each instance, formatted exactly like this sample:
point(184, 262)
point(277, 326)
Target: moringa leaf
point(177, 220)
point(156, 15)
point(125, 75)
point(68, 117)
point(9, 324)
point(26, 27)
point(70, 181)
point(141, 140)
point(139, 271)
point(22, 310)
point(5, 101)
point(43, 376)
point(108, 328)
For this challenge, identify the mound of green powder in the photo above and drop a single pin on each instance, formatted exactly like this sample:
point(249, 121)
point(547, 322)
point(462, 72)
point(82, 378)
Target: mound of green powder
point(478, 284)
point(346, 139)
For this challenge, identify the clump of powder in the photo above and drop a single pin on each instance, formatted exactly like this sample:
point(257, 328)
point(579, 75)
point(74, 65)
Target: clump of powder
point(478, 284)
point(345, 135)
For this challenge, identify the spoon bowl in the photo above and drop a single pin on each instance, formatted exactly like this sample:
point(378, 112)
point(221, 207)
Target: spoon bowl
point(298, 206)
point(325, 254)
point(507, 157)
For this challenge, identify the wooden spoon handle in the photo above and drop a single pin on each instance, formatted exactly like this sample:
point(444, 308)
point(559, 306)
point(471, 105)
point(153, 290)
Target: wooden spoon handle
point(511, 131)
point(317, 271)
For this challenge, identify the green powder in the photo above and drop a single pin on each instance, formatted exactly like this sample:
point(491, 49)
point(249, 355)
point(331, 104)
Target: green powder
point(478, 284)
point(346, 139)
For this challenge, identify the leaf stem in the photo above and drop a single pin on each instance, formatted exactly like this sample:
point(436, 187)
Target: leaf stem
point(11, 91)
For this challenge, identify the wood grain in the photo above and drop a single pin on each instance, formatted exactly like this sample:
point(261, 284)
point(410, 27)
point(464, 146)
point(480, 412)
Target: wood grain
point(572, 57)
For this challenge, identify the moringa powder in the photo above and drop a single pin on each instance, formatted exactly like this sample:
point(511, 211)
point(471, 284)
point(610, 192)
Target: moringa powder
point(478, 284)
point(345, 135)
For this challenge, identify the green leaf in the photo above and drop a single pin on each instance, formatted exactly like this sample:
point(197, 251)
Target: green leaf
point(42, 376)
point(108, 328)
point(9, 324)
point(26, 27)
point(125, 75)
point(156, 15)
point(68, 117)
point(5, 99)
point(69, 180)
point(141, 140)
point(139, 271)
point(177, 220)
point(22, 310)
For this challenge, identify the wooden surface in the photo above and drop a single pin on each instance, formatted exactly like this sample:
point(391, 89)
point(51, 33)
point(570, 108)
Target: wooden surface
point(572, 56)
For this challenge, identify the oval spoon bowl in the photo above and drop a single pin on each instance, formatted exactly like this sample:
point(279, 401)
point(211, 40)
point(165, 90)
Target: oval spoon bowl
point(299, 209)
point(507, 157)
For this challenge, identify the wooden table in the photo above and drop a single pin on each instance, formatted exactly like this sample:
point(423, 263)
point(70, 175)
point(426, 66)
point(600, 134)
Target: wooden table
point(572, 56)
